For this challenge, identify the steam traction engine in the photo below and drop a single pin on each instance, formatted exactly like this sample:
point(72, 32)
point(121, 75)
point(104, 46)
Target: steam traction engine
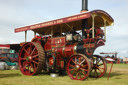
point(67, 44)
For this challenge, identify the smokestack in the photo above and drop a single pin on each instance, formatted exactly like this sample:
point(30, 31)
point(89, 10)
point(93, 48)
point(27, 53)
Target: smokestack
point(84, 6)
point(84, 21)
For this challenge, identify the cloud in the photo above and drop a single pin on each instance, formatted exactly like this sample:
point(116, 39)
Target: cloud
point(18, 13)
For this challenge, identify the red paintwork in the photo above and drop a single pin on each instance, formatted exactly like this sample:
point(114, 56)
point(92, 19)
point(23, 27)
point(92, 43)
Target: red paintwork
point(58, 45)
point(51, 61)
point(48, 46)
point(69, 50)
point(7, 46)
point(63, 20)
point(58, 42)
point(66, 50)
point(55, 22)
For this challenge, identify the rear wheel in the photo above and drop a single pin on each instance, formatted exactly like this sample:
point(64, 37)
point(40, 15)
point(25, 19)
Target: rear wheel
point(31, 58)
point(99, 66)
point(78, 67)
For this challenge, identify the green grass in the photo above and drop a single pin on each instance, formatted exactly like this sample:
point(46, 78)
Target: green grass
point(119, 76)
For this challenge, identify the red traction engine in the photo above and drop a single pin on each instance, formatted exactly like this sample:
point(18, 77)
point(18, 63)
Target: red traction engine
point(66, 45)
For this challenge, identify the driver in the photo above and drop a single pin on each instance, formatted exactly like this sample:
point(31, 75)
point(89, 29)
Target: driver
point(76, 36)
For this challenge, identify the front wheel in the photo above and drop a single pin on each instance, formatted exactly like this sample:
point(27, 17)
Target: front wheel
point(78, 67)
point(99, 66)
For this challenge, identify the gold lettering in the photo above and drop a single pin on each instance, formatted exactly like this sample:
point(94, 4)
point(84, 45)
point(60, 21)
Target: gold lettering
point(46, 24)
point(72, 18)
point(35, 26)
point(59, 21)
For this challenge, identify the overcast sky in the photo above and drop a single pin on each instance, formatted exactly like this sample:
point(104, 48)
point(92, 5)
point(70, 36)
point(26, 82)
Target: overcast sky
point(19, 13)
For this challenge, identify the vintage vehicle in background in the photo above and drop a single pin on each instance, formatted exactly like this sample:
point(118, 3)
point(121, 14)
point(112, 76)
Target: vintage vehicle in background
point(113, 56)
point(125, 60)
point(10, 57)
point(8, 52)
point(4, 48)
point(67, 44)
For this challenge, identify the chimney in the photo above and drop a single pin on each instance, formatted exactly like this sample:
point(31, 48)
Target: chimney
point(84, 21)
point(84, 6)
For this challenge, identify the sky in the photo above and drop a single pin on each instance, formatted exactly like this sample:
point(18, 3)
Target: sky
point(20, 13)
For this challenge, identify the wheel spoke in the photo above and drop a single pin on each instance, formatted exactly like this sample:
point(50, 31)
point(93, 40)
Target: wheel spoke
point(33, 51)
point(32, 67)
point(29, 68)
point(79, 74)
point(26, 52)
point(73, 61)
point(100, 71)
point(82, 62)
point(73, 72)
point(25, 64)
point(91, 72)
point(83, 73)
point(79, 59)
point(83, 69)
point(22, 58)
point(35, 56)
point(34, 62)
point(100, 64)
point(96, 73)
point(84, 66)
point(71, 65)
point(71, 69)
point(76, 75)
point(30, 48)
point(98, 61)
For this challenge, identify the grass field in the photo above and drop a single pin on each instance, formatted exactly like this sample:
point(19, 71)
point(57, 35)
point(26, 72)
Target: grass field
point(119, 76)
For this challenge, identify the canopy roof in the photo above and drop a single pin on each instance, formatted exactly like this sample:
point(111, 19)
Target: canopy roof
point(66, 24)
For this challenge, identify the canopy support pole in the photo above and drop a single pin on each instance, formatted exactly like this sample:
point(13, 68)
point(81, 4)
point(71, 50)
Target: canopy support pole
point(104, 29)
point(25, 36)
point(34, 34)
point(93, 25)
point(61, 26)
point(61, 30)
point(51, 32)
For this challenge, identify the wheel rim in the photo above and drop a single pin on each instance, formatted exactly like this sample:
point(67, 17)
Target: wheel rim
point(30, 59)
point(99, 67)
point(78, 67)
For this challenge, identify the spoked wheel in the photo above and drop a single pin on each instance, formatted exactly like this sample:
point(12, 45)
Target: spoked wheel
point(78, 67)
point(99, 67)
point(31, 58)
